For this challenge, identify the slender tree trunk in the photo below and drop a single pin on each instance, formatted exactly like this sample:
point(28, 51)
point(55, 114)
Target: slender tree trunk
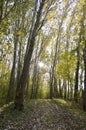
point(37, 84)
point(65, 89)
point(71, 88)
point(53, 67)
point(51, 86)
point(77, 71)
point(76, 82)
point(68, 89)
point(19, 62)
point(1, 10)
point(55, 88)
point(33, 92)
point(60, 89)
point(84, 92)
point(84, 53)
point(10, 94)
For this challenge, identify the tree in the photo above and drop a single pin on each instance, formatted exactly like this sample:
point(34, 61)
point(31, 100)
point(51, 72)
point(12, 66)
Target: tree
point(54, 62)
point(29, 36)
point(6, 8)
point(84, 55)
point(19, 98)
point(77, 72)
point(10, 94)
point(17, 37)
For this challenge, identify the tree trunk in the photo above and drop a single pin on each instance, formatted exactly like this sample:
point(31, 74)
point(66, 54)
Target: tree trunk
point(68, 89)
point(76, 83)
point(33, 92)
point(77, 72)
point(84, 54)
point(84, 92)
point(19, 62)
point(1, 9)
point(19, 98)
point(55, 88)
point(60, 89)
point(53, 68)
point(10, 94)
point(65, 89)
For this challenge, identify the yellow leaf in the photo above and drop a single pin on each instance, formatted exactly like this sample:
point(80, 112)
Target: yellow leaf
point(20, 33)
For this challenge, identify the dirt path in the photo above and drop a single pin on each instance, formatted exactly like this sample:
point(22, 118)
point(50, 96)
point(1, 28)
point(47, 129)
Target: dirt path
point(42, 115)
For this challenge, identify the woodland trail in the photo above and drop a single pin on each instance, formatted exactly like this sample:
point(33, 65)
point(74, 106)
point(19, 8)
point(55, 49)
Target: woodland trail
point(43, 115)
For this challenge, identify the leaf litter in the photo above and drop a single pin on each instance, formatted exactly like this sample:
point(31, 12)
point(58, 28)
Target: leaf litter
point(42, 114)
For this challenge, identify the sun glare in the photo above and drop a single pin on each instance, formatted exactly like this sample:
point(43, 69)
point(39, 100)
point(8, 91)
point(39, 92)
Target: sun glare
point(41, 64)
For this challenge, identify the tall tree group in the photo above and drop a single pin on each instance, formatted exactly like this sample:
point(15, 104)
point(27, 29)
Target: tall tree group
point(43, 50)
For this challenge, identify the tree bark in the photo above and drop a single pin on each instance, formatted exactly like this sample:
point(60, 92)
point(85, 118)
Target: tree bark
point(84, 92)
point(77, 77)
point(33, 92)
point(65, 89)
point(1, 10)
point(19, 62)
point(24, 77)
point(10, 94)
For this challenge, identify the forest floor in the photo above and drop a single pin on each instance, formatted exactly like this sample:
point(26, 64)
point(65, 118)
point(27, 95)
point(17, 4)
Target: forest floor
point(43, 114)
